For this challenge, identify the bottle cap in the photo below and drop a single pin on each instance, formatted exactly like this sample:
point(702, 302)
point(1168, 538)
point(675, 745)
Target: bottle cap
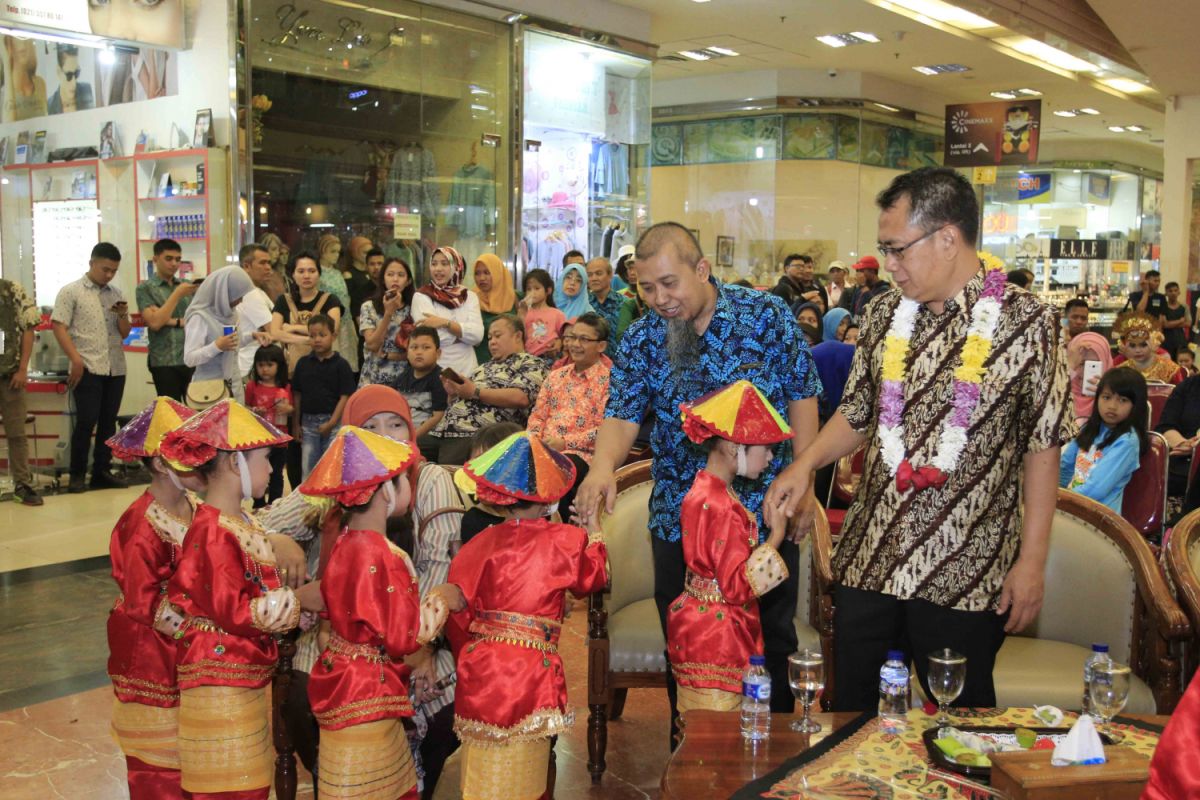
point(1099, 648)
point(758, 661)
point(895, 655)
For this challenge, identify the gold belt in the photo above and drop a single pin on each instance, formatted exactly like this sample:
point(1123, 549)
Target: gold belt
point(368, 652)
point(200, 624)
point(706, 590)
point(537, 633)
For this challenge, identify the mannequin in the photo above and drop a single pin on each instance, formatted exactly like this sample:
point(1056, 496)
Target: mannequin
point(329, 251)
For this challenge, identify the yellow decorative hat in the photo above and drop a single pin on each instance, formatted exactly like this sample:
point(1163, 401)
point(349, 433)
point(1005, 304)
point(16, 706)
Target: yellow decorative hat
point(355, 464)
point(142, 436)
point(739, 412)
point(228, 426)
point(1138, 324)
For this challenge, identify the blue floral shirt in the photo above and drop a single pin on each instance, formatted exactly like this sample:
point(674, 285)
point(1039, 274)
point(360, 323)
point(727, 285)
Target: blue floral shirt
point(753, 336)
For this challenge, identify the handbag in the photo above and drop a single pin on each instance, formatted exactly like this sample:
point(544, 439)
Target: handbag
point(207, 393)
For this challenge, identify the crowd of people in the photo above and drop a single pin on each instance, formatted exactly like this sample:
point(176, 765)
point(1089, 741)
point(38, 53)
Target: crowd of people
point(971, 399)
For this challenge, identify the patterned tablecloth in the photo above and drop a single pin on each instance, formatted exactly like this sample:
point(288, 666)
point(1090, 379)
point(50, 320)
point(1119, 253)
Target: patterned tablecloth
point(865, 761)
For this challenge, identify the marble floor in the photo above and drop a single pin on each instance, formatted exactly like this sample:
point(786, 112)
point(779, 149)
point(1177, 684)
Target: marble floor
point(55, 593)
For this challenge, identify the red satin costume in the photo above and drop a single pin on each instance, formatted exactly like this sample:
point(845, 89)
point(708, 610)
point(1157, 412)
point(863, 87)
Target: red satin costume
point(141, 661)
point(713, 627)
point(515, 577)
point(373, 605)
point(1175, 769)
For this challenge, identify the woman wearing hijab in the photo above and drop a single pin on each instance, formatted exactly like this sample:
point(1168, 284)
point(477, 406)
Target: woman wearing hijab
point(433, 525)
point(445, 305)
point(1082, 348)
point(211, 338)
point(834, 324)
point(494, 286)
point(570, 293)
point(329, 251)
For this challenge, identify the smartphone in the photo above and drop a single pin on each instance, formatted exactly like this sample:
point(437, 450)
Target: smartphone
point(198, 281)
point(452, 376)
point(1091, 369)
point(390, 294)
point(228, 329)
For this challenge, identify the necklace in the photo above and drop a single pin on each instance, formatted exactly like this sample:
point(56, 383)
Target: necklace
point(967, 380)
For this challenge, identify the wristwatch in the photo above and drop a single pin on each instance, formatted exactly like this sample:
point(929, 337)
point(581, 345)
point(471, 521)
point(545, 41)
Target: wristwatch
point(475, 394)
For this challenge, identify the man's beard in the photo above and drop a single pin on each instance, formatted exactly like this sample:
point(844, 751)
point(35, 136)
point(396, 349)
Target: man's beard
point(683, 344)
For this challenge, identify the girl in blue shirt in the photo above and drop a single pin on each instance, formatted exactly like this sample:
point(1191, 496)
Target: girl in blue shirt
point(1099, 462)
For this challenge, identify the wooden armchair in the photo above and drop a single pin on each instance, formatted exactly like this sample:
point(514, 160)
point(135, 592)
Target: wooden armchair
point(814, 605)
point(1182, 556)
point(1102, 585)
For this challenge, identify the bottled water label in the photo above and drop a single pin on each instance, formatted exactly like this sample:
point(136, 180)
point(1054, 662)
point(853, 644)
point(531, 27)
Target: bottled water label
point(760, 692)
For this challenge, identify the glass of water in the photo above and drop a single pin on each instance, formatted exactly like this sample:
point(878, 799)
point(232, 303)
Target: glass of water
point(806, 676)
point(947, 673)
point(1109, 690)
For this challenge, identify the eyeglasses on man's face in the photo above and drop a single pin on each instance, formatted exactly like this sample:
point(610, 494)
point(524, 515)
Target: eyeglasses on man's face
point(571, 337)
point(898, 252)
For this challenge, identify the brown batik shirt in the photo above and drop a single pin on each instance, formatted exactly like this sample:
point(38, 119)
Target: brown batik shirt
point(952, 546)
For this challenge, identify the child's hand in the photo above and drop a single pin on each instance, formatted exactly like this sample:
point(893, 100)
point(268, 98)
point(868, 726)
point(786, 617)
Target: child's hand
point(325, 427)
point(777, 522)
point(309, 597)
point(284, 408)
point(289, 559)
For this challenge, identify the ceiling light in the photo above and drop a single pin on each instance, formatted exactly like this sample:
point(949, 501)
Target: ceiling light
point(699, 1)
point(886, 107)
point(941, 69)
point(926, 70)
point(514, 18)
point(1004, 95)
point(1029, 92)
point(944, 12)
point(1116, 129)
point(1064, 113)
point(845, 39)
point(695, 55)
point(725, 51)
point(1134, 128)
point(1090, 111)
point(1126, 85)
point(1044, 52)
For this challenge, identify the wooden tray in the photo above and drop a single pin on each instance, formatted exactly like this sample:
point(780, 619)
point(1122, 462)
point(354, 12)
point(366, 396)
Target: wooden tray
point(942, 761)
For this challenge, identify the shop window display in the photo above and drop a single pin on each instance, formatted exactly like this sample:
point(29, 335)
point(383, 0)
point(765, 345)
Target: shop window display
point(385, 123)
point(586, 150)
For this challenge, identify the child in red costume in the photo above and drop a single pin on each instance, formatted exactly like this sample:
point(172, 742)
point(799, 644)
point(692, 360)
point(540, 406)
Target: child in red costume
point(358, 688)
point(232, 597)
point(713, 627)
point(144, 550)
point(508, 588)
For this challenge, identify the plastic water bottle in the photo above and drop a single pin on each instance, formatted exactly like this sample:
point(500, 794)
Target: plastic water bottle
point(893, 689)
point(756, 700)
point(1099, 656)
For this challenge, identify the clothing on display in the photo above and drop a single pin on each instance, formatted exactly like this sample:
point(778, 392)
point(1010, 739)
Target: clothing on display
point(472, 205)
point(609, 168)
point(410, 182)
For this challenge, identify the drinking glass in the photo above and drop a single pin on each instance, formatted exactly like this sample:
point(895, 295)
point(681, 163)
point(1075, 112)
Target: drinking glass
point(1109, 689)
point(806, 676)
point(947, 673)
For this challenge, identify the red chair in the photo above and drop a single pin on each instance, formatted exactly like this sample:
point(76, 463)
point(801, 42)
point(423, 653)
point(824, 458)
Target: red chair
point(846, 475)
point(1144, 505)
point(1157, 394)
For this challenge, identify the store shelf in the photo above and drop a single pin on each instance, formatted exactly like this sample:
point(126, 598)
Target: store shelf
point(174, 197)
point(189, 153)
point(83, 162)
point(176, 238)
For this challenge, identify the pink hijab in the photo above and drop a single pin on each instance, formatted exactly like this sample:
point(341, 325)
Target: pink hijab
point(1099, 347)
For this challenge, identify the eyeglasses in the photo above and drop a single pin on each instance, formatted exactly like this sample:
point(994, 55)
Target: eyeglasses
point(73, 75)
point(898, 252)
point(570, 337)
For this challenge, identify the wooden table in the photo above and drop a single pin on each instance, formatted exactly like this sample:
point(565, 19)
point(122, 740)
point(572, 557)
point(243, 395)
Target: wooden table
point(714, 761)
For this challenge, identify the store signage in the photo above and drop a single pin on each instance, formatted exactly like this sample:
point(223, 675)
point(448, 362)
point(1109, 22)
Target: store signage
point(983, 134)
point(150, 23)
point(1119, 266)
point(1034, 187)
point(1091, 249)
point(985, 176)
point(406, 226)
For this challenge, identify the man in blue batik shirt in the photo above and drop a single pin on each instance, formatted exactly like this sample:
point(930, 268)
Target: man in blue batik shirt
point(702, 336)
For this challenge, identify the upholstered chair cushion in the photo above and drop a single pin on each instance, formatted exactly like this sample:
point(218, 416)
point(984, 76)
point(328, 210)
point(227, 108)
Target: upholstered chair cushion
point(1031, 672)
point(631, 561)
point(635, 639)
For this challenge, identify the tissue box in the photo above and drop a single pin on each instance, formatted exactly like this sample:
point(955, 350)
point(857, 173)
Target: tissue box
point(1028, 775)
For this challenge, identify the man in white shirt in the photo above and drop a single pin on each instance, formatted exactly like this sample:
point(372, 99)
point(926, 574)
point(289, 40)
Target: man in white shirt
point(254, 312)
point(837, 283)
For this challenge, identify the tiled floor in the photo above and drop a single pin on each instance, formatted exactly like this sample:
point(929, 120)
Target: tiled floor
point(55, 594)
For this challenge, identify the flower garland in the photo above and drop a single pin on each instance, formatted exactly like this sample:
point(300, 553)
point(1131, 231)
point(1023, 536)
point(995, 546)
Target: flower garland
point(967, 379)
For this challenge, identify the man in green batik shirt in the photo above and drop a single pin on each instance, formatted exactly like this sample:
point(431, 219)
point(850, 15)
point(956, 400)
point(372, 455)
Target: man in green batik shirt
point(18, 318)
point(163, 300)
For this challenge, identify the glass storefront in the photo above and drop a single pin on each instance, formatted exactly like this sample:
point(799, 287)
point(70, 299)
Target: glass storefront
point(388, 121)
point(757, 187)
point(1083, 229)
point(586, 160)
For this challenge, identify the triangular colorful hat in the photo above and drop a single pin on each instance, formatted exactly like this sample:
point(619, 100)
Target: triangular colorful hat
point(228, 425)
point(738, 412)
point(356, 462)
point(519, 468)
point(142, 436)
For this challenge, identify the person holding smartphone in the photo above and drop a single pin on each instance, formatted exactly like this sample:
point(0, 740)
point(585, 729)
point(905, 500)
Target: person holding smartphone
point(91, 320)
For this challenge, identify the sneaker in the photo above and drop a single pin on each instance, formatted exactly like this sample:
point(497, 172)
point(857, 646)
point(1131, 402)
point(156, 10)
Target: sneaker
point(106, 480)
point(77, 485)
point(28, 496)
